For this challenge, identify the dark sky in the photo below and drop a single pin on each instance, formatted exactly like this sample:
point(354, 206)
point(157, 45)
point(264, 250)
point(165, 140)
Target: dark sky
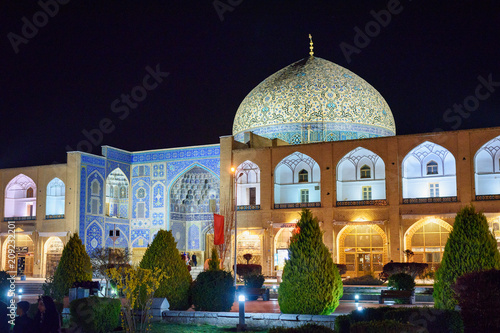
point(64, 79)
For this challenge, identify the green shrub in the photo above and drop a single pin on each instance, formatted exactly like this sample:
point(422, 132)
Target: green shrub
point(213, 291)
point(434, 320)
point(470, 248)
point(386, 326)
point(4, 286)
point(96, 314)
point(342, 268)
point(254, 281)
point(411, 268)
point(311, 282)
point(307, 328)
point(214, 262)
point(163, 253)
point(478, 295)
point(366, 280)
point(401, 281)
point(74, 266)
point(248, 269)
point(343, 323)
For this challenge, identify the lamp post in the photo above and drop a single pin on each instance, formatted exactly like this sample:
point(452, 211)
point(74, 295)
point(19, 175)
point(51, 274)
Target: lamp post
point(234, 181)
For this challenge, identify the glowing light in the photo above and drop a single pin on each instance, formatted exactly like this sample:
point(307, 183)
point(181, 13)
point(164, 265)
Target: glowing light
point(241, 298)
point(356, 297)
point(360, 308)
point(233, 169)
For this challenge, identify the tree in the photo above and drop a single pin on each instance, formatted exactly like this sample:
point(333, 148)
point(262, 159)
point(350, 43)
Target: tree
point(470, 248)
point(103, 259)
point(163, 253)
point(214, 263)
point(311, 282)
point(74, 266)
point(138, 285)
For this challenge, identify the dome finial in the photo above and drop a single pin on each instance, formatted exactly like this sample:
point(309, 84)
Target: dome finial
point(311, 47)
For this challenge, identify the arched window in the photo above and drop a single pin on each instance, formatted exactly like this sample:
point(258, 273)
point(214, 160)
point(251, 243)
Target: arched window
point(365, 171)
point(54, 205)
point(95, 187)
point(20, 197)
point(303, 176)
point(432, 168)
point(117, 198)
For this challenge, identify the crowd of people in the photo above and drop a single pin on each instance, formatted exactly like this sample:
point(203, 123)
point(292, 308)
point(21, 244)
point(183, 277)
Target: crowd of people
point(190, 260)
point(46, 320)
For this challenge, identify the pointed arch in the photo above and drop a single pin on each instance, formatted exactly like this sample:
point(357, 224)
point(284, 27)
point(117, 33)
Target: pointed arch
point(288, 187)
point(360, 176)
point(362, 247)
point(55, 198)
point(248, 185)
point(418, 182)
point(20, 198)
point(487, 168)
point(117, 194)
point(52, 252)
point(192, 196)
point(427, 239)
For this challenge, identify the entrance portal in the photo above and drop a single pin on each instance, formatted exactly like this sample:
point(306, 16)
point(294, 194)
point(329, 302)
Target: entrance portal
point(362, 248)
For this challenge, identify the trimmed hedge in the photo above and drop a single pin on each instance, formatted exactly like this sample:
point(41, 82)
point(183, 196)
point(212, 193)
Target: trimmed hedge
point(433, 320)
point(311, 282)
point(307, 328)
point(96, 314)
point(478, 295)
point(411, 268)
point(74, 266)
point(471, 247)
point(254, 281)
point(248, 269)
point(366, 280)
point(213, 291)
point(386, 326)
point(162, 253)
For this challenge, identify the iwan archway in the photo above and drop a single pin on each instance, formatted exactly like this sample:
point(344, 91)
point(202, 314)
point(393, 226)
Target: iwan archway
point(362, 248)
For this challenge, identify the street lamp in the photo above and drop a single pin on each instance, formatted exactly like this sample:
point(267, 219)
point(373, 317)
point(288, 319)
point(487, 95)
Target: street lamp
point(234, 181)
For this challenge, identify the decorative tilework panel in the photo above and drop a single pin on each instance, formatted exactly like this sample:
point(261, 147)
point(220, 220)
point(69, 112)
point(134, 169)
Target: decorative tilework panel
point(93, 237)
point(137, 235)
point(179, 233)
point(194, 237)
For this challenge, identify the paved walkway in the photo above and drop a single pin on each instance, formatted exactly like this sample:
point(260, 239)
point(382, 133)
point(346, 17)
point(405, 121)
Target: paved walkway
point(345, 307)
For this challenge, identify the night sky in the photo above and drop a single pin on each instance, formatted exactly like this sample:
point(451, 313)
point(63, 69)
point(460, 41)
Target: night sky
point(69, 76)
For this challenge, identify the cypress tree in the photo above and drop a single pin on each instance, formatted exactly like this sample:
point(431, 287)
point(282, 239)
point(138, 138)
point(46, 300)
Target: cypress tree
point(471, 247)
point(74, 266)
point(311, 282)
point(163, 253)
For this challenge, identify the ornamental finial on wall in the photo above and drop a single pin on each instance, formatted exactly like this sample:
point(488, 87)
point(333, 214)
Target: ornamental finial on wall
point(311, 47)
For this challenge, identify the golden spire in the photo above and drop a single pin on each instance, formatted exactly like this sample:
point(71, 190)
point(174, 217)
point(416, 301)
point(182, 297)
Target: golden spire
point(311, 47)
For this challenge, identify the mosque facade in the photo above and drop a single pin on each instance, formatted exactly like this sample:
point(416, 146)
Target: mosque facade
point(313, 135)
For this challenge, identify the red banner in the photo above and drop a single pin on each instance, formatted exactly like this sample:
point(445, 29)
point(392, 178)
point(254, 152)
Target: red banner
point(218, 229)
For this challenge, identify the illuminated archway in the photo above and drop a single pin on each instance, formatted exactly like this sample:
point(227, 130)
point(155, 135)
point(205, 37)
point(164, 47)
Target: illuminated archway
point(281, 244)
point(427, 239)
point(24, 256)
point(52, 252)
point(363, 248)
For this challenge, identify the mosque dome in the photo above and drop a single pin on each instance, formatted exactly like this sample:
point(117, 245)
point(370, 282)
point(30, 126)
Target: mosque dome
point(314, 100)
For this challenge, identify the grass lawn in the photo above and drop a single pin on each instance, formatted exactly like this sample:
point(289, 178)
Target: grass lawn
point(160, 327)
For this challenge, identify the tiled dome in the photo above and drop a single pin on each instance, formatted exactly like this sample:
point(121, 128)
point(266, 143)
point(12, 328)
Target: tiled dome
point(314, 100)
